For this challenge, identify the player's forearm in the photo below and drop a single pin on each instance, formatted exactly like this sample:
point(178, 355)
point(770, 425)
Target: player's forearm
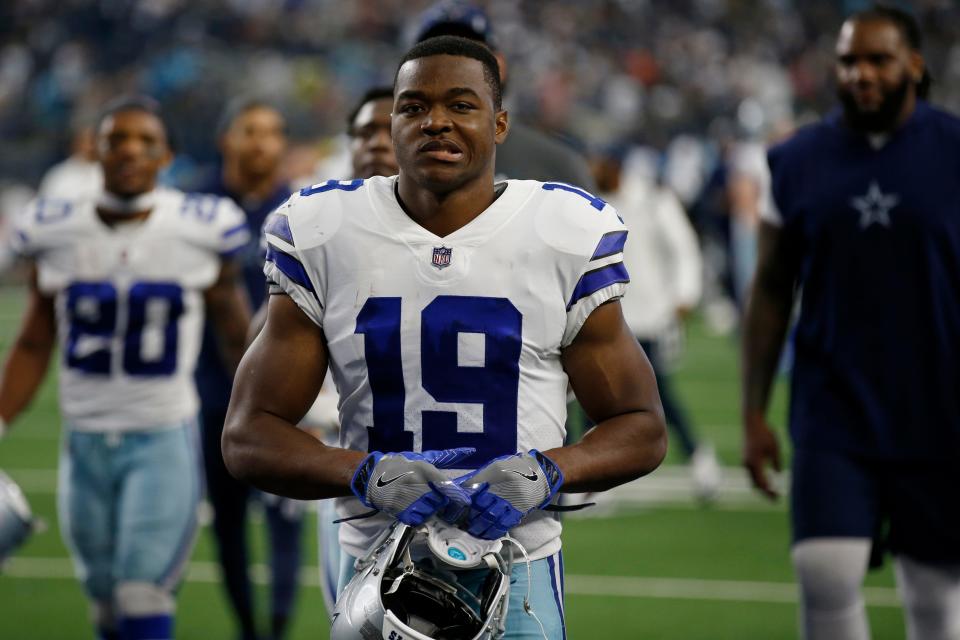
point(275, 456)
point(617, 450)
point(765, 326)
point(23, 371)
point(231, 318)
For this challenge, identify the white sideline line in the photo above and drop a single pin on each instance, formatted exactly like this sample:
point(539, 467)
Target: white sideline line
point(668, 485)
point(30, 568)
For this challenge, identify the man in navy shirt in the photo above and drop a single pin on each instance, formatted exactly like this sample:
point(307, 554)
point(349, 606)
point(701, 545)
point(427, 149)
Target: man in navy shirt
point(866, 222)
point(252, 140)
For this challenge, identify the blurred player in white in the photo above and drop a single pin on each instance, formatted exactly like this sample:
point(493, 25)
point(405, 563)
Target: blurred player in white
point(122, 281)
point(452, 312)
point(663, 258)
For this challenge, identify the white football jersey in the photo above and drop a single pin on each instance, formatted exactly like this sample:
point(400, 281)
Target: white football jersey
point(129, 302)
point(448, 342)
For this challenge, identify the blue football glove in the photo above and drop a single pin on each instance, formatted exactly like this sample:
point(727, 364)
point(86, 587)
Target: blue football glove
point(507, 489)
point(410, 486)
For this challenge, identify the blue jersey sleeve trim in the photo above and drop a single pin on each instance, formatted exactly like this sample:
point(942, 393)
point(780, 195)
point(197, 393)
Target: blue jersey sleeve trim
point(595, 202)
point(611, 243)
point(290, 267)
point(279, 226)
point(593, 281)
point(234, 230)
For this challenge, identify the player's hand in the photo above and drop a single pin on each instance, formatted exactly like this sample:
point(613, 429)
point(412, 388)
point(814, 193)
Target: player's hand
point(506, 489)
point(760, 447)
point(410, 486)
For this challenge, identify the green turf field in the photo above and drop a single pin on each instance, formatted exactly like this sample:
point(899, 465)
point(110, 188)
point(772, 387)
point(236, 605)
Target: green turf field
point(669, 570)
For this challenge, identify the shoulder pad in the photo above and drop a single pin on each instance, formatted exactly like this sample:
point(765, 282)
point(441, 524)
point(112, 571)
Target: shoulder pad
point(572, 220)
point(313, 215)
point(43, 222)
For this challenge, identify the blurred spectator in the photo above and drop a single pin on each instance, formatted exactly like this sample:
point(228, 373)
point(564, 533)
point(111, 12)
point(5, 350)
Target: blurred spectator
point(594, 71)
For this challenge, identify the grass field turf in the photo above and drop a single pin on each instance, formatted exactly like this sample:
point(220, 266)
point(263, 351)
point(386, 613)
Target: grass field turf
point(670, 572)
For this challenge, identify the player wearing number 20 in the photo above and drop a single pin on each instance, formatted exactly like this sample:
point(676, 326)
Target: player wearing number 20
point(123, 281)
point(452, 312)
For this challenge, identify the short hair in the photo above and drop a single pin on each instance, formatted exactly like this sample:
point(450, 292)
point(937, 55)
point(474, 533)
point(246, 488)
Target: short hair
point(238, 106)
point(371, 94)
point(909, 29)
point(462, 47)
point(130, 103)
point(135, 102)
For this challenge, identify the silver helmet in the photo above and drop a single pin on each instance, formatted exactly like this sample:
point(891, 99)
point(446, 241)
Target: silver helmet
point(433, 582)
point(16, 520)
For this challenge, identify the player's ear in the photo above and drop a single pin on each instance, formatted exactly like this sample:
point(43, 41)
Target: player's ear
point(916, 65)
point(502, 126)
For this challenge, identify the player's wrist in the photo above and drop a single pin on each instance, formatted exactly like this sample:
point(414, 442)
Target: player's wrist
point(754, 420)
point(551, 473)
point(362, 475)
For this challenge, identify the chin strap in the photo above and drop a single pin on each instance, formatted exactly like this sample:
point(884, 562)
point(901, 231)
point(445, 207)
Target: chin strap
point(134, 204)
point(368, 514)
point(569, 507)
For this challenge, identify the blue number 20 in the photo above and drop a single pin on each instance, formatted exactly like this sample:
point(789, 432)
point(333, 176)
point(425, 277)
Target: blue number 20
point(92, 317)
point(494, 385)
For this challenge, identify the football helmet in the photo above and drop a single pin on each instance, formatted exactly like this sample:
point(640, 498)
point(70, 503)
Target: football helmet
point(16, 520)
point(410, 585)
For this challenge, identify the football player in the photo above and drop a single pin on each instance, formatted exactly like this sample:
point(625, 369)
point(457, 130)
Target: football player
point(452, 311)
point(123, 281)
point(252, 140)
point(865, 221)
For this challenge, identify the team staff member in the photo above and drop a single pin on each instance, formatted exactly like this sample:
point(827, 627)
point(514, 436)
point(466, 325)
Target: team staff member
point(252, 140)
point(866, 224)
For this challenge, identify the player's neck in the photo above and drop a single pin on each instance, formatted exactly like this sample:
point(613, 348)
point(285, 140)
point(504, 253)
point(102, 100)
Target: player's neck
point(248, 186)
point(115, 209)
point(442, 214)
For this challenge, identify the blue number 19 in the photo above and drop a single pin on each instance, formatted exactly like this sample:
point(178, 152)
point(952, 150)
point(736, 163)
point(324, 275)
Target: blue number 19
point(494, 385)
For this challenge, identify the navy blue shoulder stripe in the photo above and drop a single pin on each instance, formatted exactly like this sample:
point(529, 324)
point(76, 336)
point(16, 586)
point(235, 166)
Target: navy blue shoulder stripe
point(292, 268)
point(237, 229)
point(593, 281)
point(612, 242)
point(279, 226)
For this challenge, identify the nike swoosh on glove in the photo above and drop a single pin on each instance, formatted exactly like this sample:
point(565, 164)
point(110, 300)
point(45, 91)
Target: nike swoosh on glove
point(410, 486)
point(506, 489)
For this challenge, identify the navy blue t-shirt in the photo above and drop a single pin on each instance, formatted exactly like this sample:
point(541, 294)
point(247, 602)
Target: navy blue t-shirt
point(876, 232)
point(213, 382)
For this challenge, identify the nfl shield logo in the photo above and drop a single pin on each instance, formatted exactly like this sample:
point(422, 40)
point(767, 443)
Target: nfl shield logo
point(441, 257)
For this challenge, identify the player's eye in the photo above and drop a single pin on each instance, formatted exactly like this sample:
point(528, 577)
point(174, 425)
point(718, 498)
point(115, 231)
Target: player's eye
point(410, 109)
point(461, 106)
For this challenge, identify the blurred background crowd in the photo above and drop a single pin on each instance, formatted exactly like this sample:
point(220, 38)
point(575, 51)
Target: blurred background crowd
point(688, 91)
